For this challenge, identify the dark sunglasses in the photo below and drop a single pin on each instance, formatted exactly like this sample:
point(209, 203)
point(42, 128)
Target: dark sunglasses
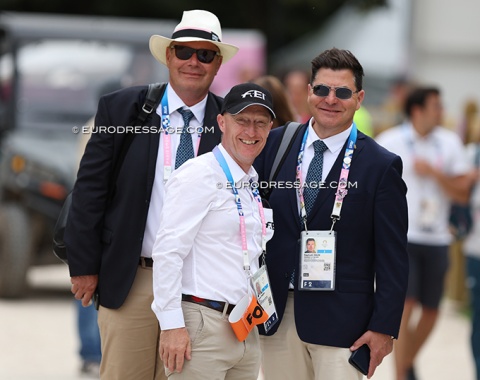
point(185, 53)
point(343, 93)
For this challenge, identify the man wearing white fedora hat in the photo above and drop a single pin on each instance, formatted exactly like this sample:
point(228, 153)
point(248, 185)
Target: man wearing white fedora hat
point(110, 234)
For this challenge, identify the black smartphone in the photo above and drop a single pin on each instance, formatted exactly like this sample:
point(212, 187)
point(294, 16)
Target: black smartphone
point(360, 359)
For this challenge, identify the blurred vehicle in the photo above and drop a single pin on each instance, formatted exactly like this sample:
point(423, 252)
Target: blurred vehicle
point(52, 71)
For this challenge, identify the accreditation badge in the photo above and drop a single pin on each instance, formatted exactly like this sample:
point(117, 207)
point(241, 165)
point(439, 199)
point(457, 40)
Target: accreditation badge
point(263, 291)
point(317, 260)
point(429, 213)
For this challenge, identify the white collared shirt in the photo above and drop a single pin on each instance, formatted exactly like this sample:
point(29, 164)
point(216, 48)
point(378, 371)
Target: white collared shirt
point(444, 150)
point(198, 249)
point(156, 200)
point(334, 144)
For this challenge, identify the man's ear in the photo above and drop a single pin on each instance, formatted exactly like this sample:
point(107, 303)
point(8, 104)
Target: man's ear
point(221, 122)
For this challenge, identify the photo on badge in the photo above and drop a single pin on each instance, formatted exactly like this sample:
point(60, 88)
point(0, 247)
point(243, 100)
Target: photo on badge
point(317, 260)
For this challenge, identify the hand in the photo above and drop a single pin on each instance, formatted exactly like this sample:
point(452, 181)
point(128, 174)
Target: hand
point(175, 346)
point(83, 288)
point(423, 168)
point(380, 346)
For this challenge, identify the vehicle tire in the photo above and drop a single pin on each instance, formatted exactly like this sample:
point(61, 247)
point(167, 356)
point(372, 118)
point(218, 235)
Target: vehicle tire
point(15, 250)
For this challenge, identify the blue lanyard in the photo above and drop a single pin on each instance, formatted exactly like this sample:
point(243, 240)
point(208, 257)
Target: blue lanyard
point(243, 231)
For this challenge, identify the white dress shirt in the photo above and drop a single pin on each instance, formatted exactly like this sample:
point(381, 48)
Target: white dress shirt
point(176, 122)
point(443, 149)
point(198, 249)
point(334, 144)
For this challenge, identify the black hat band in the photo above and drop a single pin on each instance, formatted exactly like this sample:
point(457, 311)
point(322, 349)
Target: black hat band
point(196, 33)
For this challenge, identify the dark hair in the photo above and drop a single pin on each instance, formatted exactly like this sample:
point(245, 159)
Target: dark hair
point(418, 97)
point(310, 239)
point(337, 59)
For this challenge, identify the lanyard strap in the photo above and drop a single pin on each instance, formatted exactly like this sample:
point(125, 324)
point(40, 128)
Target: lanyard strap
point(167, 139)
point(243, 230)
point(342, 182)
point(409, 135)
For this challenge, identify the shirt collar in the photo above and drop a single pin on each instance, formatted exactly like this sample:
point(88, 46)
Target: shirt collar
point(238, 174)
point(416, 136)
point(174, 103)
point(334, 143)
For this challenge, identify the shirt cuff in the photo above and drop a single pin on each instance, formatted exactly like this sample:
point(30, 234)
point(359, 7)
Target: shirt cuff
point(171, 319)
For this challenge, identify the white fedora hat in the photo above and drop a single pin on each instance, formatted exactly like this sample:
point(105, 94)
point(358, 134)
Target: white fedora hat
point(196, 25)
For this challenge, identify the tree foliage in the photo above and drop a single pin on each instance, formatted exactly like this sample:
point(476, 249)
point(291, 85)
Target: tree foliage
point(282, 21)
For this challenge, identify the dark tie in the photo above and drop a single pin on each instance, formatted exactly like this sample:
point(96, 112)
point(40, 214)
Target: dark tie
point(314, 175)
point(185, 148)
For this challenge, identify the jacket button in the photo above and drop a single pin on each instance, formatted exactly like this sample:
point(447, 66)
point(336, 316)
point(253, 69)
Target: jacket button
point(286, 275)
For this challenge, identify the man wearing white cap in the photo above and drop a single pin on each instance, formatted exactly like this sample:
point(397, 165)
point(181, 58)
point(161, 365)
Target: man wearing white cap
point(203, 261)
point(110, 234)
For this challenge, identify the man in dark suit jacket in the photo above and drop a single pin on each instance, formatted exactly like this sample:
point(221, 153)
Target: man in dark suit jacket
point(109, 241)
point(319, 328)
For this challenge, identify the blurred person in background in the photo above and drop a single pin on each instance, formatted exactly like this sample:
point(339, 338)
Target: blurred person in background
point(283, 107)
point(471, 244)
point(436, 173)
point(90, 346)
point(296, 82)
point(109, 241)
point(392, 111)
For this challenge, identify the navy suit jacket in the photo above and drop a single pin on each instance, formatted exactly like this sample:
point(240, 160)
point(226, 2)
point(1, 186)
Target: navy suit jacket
point(103, 236)
point(371, 261)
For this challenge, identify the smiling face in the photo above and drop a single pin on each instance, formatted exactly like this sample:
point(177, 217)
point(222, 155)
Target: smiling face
point(191, 79)
point(332, 115)
point(245, 134)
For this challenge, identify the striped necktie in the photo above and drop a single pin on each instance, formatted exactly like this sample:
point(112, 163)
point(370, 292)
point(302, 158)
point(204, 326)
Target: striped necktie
point(185, 148)
point(314, 176)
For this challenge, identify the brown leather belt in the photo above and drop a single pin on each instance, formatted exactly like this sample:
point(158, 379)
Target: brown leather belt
point(145, 262)
point(215, 305)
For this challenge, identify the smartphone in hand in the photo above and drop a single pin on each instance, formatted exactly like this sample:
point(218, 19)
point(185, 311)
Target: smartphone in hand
point(360, 359)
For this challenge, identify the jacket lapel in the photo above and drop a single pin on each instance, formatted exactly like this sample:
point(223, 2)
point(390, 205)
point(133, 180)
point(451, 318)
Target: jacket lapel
point(291, 172)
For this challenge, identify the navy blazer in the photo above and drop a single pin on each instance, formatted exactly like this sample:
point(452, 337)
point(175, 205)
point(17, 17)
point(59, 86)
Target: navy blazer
point(371, 261)
point(105, 237)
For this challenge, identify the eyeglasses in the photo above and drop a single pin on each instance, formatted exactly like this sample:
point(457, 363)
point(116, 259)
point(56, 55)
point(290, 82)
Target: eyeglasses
point(343, 93)
point(203, 55)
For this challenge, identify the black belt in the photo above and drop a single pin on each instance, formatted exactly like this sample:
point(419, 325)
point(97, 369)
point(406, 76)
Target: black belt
point(215, 305)
point(145, 262)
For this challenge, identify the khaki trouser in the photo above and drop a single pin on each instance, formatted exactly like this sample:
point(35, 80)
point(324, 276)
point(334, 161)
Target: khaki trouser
point(130, 335)
point(286, 357)
point(216, 352)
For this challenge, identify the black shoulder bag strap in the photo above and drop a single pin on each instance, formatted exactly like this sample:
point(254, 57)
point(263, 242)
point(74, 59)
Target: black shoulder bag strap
point(290, 132)
point(152, 99)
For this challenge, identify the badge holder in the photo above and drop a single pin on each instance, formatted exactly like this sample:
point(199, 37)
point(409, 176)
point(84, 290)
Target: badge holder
point(317, 260)
point(263, 291)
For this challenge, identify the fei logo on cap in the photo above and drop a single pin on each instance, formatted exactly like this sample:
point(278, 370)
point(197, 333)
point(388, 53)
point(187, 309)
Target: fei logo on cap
point(245, 95)
point(254, 94)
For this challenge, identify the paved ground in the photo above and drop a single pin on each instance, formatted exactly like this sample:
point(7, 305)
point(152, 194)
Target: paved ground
point(38, 339)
